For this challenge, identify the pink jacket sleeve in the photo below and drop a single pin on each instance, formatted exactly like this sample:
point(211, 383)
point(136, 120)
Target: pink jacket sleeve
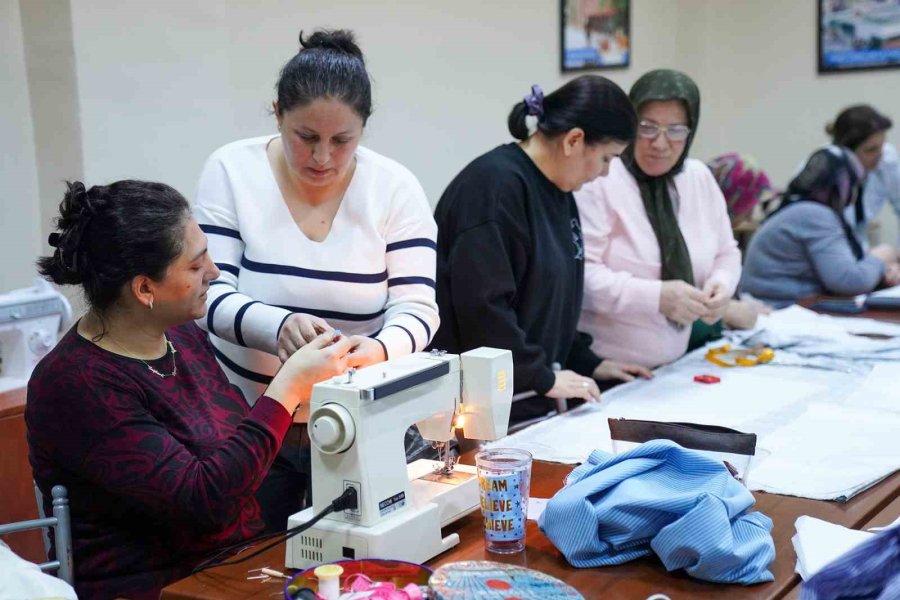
point(605, 290)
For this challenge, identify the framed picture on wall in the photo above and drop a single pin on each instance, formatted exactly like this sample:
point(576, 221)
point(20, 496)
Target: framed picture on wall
point(858, 34)
point(595, 34)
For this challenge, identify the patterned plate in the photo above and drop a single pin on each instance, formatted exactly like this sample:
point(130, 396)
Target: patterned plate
point(488, 580)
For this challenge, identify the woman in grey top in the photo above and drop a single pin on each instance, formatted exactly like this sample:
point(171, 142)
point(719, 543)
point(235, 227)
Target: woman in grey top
point(806, 247)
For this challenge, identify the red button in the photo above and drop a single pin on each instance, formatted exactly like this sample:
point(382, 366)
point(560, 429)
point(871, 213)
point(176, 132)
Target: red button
point(706, 379)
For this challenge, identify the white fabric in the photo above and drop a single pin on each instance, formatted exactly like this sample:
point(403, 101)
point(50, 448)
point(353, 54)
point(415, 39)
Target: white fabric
point(383, 233)
point(20, 579)
point(811, 334)
point(819, 542)
point(816, 437)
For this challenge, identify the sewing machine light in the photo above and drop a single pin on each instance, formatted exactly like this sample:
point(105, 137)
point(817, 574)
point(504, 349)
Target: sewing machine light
point(460, 422)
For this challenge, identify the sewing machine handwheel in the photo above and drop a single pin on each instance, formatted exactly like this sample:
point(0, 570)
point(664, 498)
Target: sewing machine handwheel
point(331, 429)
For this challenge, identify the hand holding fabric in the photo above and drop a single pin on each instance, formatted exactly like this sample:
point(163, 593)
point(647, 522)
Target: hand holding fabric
point(892, 275)
point(569, 384)
point(298, 330)
point(886, 253)
point(743, 313)
point(365, 351)
point(318, 360)
point(611, 369)
point(716, 301)
point(680, 302)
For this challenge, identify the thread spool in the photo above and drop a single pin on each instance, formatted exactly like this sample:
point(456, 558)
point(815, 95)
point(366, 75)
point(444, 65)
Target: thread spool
point(329, 577)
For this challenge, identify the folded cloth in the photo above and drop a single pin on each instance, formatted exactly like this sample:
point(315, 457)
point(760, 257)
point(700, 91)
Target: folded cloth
point(684, 506)
point(819, 542)
point(22, 579)
point(870, 570)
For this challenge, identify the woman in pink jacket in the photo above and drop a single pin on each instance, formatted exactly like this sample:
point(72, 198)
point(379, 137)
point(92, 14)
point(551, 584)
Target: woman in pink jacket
point(658, 244)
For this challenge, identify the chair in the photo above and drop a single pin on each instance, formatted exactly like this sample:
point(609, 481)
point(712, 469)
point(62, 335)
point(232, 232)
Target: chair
point(62, 534)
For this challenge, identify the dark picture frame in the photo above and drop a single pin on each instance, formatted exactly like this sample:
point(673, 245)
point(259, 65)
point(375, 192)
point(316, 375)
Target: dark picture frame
point(857, 35)
point(594, 34)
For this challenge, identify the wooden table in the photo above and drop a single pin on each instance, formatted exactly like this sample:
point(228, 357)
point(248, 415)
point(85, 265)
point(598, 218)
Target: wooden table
point(884, 517)
point(637, 579)
point(17, 502)
point(879, 505)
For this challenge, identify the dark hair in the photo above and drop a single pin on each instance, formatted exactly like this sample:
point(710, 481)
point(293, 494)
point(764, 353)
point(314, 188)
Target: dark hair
point(593, 103)
point(328, 65)
point(856, 124)
point(109, 234)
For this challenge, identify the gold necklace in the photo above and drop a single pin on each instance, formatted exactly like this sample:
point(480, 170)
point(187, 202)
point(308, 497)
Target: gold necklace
point(170, 347)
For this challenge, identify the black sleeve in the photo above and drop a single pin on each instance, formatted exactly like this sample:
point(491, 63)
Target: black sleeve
point(483, 286)
point(581, 358)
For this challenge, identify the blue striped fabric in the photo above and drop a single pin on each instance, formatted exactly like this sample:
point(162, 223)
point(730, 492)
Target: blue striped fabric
point(871, 570)
point(661, 498)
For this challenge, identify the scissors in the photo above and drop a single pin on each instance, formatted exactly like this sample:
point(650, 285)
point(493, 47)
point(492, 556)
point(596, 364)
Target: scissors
point(724, 356)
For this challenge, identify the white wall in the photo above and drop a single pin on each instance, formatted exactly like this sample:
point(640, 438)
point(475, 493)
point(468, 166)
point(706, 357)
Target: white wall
point(19, 213)
point(150, 89)
point(762, 94)
point(162, 85)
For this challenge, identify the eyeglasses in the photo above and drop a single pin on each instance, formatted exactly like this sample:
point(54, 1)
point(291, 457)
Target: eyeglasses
point(675, 133)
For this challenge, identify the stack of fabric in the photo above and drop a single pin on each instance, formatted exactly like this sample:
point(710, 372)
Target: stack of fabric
point(661, 498)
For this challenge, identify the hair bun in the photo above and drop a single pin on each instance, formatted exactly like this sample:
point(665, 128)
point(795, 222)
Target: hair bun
point(338, 40)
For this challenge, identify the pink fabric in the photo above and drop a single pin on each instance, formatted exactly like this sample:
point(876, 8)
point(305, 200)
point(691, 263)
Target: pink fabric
point(380, 590)
point(622, 261)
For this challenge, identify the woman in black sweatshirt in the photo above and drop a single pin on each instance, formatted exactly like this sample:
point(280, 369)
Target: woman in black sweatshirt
point(510, 266)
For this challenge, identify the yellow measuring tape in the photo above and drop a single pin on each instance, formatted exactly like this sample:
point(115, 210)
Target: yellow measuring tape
point(724, 356)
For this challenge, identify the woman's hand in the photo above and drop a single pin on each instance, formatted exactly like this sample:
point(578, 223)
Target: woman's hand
point(742, 314)
point(365, 351)
point(298, 330)
point(611, 369)
point(892, 275)
point(886, 253)
point(716, 302)
point(680, 302)
point(316, 361)
point(570, 384)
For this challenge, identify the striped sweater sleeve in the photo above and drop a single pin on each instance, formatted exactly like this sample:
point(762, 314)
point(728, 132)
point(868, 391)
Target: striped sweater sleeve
point(411, 312)
point(230, 314)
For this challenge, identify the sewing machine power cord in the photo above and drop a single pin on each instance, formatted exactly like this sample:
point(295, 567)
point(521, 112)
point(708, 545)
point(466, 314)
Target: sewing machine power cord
point(346, 501)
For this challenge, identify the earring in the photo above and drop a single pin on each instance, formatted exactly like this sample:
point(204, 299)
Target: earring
point(150, 305)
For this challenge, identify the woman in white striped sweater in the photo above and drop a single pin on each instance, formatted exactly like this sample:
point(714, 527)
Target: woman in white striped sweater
point(313, 232)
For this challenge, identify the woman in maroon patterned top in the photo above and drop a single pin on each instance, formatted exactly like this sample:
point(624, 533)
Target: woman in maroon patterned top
point(131, 411)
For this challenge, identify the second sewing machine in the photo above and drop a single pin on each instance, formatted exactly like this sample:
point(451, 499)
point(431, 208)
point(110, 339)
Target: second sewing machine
point(357, 425)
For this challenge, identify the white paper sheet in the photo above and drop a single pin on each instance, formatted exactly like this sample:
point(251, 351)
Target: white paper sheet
point(818, 542)
point(829, 452)
point(802, 322)
point(536, 507)
point(826, 432)
point(879, 390)
point(892, 292)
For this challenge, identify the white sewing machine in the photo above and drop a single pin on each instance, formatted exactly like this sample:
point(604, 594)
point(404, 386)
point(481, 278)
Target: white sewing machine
point(30, 319)
point(357, 425)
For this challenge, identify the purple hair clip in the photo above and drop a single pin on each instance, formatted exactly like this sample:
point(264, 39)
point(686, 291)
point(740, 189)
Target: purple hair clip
point(534, 102)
